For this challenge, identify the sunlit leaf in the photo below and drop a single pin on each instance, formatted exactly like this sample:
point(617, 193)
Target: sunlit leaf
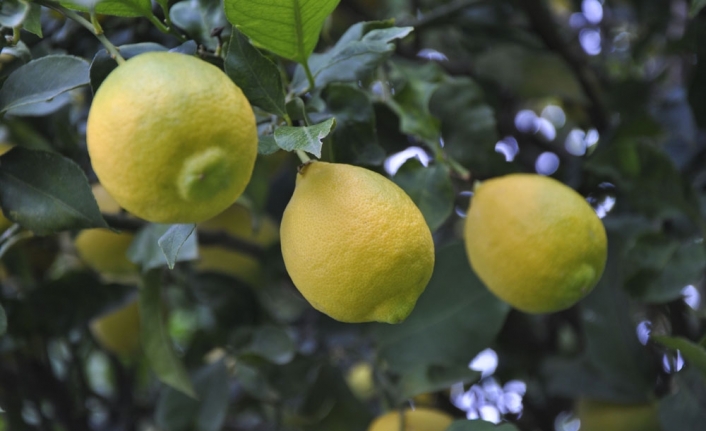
point(288, 28)
point(43, 79)
point(126, 8)
point(31, 195)
point(155, 340)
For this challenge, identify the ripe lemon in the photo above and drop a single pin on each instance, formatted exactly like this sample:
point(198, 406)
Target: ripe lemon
point(119, 330)
point(534, 242)
point(171, 138)
point(421, 419)
point(355, 245)
point(604, 416)
point(237, 222)
point(102, 250)
point(360, 380)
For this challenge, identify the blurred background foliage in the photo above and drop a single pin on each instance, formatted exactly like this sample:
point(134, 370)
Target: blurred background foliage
point(608, 96)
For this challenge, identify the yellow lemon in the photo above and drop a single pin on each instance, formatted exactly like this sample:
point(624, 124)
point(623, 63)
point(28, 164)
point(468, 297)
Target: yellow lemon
point(534, 242)
point(237, 222)
point(421, 419)
point(604, 416)
point(360, 379)
point(102, 250)
point(118, 331)
point(171, 138)
point(355, 245)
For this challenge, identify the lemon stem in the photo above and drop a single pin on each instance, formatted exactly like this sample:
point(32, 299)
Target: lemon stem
point(309, 76)
point(303, 156)
point(97, 31)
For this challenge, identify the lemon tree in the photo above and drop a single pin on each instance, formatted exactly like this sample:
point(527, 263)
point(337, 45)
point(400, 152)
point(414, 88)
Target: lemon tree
point(302, 215)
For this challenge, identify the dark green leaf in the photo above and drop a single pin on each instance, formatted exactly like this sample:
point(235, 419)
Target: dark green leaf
point(103, 63)
point(13, 13)
point(355, 139)
point(43, 79)
point(125, 8)
point(693, 353)
point(356, 55)
point(255, 74)
point(3, 321)
point(430, 188)
point(455, 318)
point(146, 251)
point(155, 339)
point(307, 139)
point(685, 408)
point(199, 18)
point(468, 126)
point(41, 109)
point(173, 239)
point(273, 344)
point(46, 193)
point(288, 28)
point(433, 378)
point(178, 412)
point(479, 425)
point(696, 6)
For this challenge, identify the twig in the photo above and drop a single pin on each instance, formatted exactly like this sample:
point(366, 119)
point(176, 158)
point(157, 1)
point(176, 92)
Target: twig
point(544, 25)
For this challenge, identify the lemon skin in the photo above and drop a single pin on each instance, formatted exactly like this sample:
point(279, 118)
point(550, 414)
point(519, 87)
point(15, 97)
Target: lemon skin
point(171, 138)
point(118, 331)
point(534, 242)
point(360, 380)
point(603, 416)
point(421, 419)
point(103, 250)
point(355, 245)
point(236, 221)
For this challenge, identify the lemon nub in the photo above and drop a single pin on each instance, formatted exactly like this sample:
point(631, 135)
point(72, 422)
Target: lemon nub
point(203, 175)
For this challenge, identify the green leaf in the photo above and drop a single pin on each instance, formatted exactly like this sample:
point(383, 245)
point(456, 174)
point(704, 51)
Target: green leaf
point(255, 74)
point(468, 126)
point(696, 6)
point(146, 250)
point(103, 63)
point(125, 8)
point(199, 18)
point(272, 343)
point(479, 425)
point(355, 56)
point(423, 380)
point(43, 79)
point(178, 412)
point(355, 139)
point(455, 318)
point(173, 239)
point(3, 321)
point(33, 20)
point(307, 139)
point(46, 193)
point(430, 188)
point(155, 340)
point(416, 85)
point(13, 13)
point(693, 353)
point(288, 28)
point(685, 407)
point(267, 145)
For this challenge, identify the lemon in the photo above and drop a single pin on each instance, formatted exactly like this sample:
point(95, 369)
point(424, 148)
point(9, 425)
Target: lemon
point(534, 242)
point(171, 138)
point(119, 330)
point(102, 250)
point(360, 380)
point(604, 416)
point(421, 419)
point(237, 222)
point(355, 245)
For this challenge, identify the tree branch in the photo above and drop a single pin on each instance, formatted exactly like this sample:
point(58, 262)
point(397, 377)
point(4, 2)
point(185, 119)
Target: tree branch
point(544, 25)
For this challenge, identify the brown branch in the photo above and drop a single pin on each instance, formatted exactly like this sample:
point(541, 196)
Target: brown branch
point(543, 23)
point(124, 222)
